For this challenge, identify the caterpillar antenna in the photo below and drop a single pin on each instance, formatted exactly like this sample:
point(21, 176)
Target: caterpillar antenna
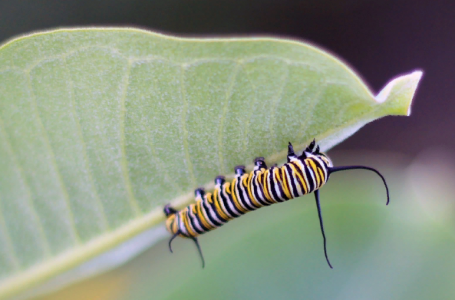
point(343, 168)
point(172, 238)
point(200, 251)
point(321, 223)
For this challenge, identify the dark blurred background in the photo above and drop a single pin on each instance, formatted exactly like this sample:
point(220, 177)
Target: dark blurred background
point(378, 38)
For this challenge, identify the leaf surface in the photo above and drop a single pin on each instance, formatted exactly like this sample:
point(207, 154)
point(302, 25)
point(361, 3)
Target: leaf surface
point(101, 127)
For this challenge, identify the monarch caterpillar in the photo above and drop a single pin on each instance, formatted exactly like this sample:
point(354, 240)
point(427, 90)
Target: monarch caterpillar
point(263, 186)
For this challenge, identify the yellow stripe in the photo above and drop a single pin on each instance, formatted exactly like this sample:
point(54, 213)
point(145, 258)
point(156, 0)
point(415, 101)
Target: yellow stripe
point(234, 196)
point(304, 179)
point(248, 185)
point(209, 197)
point(302, 166)
point(186, 221)
point(202, 217)
point(175, 225)
point(218, 206)
point(170, 225)
point(322, 176)
point(284, 181)
point(265, 188)
point(315, 171)
point(252, 198)
point(300, 177)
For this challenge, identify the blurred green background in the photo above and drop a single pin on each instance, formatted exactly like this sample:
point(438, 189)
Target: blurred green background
point(402, 251)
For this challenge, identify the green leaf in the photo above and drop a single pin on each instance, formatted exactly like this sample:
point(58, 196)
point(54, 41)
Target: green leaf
point(101, 127)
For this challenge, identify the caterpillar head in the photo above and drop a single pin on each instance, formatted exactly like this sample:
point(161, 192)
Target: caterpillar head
point(314, 150)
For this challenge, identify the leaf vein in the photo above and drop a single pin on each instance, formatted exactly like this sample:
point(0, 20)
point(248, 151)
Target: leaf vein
point(184, 129)
point(124, 163)
point(221, 128)
point(54, 164)
point(98, 202)
point(155, 157)
point(9, 244)
point(39, 225)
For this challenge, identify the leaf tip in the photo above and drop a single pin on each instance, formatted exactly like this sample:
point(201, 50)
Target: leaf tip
point(400, 93)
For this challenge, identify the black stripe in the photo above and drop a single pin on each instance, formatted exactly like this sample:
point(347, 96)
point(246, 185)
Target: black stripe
point(280, 188)
point(302, 186)
point(192, 221)
point(225, 203)
point(315, 170)
point(257, 188)
point(311, 183)
point(199, 217)
point(213, 207)
point(231, 199)
point(271, 184)
point(250, 182)
point(295, 192)
point(264, 189)
point(178, 219)
point(284, 180)
point(322, 168)
point(242, 196)
point(184, 216)
point(209, 216)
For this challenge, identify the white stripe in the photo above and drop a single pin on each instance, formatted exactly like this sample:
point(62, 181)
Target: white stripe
point(196, 222)
point(324, 170)
point(242, 188)
point(230, 204)
point(182, 227)
point(289, 181)
point(302, 167)
point(312, 176)
point(269, 185)
point(298, 185)
point(212, 213)
point(245, 192)
point(254, 181)
point(204, 213)
point(223, 208)
point(281, 196)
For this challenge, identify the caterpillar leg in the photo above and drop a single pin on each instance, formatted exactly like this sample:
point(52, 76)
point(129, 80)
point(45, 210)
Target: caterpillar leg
point(318, 204)
point(259, 163)
point(239, 170)
point(199, 193)
point(220, 180)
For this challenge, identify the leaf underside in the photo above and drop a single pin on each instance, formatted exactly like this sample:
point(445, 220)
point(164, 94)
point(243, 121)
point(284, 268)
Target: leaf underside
point(101, 127)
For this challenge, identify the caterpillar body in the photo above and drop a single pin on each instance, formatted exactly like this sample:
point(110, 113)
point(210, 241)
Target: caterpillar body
point(301, 175)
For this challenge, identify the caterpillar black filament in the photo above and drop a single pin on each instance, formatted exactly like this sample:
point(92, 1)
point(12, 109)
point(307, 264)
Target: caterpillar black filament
point(263, 186)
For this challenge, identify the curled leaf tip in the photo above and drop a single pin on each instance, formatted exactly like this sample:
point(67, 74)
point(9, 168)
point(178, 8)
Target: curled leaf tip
point(400, 93)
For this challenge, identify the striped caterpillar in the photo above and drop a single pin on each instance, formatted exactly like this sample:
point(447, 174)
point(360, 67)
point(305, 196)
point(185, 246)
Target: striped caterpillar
point(263, 186)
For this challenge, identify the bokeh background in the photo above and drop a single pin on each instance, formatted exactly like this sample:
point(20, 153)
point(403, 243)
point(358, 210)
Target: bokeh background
point(379, 38)
point(405, 251)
